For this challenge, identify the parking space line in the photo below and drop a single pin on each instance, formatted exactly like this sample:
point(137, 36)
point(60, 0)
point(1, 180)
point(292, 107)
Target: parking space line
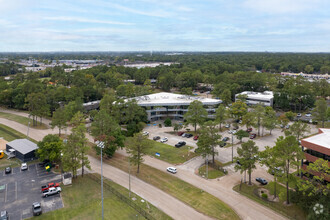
point(6, 193)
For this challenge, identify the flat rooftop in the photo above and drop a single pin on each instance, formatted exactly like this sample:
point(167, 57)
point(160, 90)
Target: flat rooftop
point(166, 98)
point(256, 95)
point(23, 145)
point(321, 139)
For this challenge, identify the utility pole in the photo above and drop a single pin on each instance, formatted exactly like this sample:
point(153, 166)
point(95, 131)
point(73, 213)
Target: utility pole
point(27, 134)
point(101, 145)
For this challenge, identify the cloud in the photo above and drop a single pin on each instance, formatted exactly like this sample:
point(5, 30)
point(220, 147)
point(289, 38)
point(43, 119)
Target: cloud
point(84, 20)
point(281, 6)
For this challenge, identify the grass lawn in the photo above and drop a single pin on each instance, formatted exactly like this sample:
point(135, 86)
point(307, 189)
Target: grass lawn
point(82, 200)
point(9, 163)
point(192, 196)
point(213, 172)
point(21, 120)
point(10, 134)
point(292, 211)
point(171, 154)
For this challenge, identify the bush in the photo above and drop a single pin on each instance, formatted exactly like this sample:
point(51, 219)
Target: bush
point(168, 122)
point(160, 125)
point(264, 196)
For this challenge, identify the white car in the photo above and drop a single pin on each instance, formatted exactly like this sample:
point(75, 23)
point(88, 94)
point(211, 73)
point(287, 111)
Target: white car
point(145, 133)
point(299, 115)
point(227, 125)
point(308, 115)
point(165, 139)
point(24, 166)
point(171, 169)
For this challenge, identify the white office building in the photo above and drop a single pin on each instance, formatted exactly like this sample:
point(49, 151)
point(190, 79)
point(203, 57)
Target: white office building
point(253, 98)
point(160, 106)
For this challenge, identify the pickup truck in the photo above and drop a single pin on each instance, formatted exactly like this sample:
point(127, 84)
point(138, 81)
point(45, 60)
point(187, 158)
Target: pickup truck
point(52, 191)
point(49, 185)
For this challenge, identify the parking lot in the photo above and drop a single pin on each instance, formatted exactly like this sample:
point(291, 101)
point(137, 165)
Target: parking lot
point(19, 189)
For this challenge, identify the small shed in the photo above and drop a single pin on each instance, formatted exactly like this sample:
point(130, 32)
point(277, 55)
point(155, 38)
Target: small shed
point(24, 149)
point(67, 179)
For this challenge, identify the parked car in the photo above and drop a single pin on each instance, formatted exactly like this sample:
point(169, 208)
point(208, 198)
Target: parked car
point(164, 139)
point(277, 170)
point(156, 138)
point(8, 170)
point(225, 139)
point(196, 138)
point(180, 133)
point(234, 131)
point(238, 163)
point(49, 185)
point(240, 121)
point(287, 126)
point(51, 191)
point(4, 215)
point(36, 208)
point(308, 115)
point(253, 135)
point(187, 135)
point(227, 126)
point(145, 133)
point(299, 115)
point(282, 126)
point(180, 144)
point(24, 166)
point(171, 169)
point(43, 163)
point(261, 180)
point(249, 130)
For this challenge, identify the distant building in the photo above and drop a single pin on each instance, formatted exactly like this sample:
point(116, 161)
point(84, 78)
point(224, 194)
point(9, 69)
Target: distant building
point(253, 98)
point(315, 147)
point(91, 105)
point(160, 106)
point(23, 149)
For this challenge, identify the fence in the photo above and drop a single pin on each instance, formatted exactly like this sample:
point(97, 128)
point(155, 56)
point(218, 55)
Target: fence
point(123, 198)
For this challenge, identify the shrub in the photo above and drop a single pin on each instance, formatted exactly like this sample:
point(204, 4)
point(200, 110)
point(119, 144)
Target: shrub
point(160, 125)
point(167, 122)
point(264, 196)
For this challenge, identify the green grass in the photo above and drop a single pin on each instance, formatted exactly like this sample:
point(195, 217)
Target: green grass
point(82, 200)
point(4, 162)
point(198, 199)
point(213, 172)
point(171, 154)
point(10, 134)
point(21, 120)
point(292, 211)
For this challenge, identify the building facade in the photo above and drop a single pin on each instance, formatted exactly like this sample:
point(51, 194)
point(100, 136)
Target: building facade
point(160, 106)
point(23, 149)
point(316, 147)
point(253, 98)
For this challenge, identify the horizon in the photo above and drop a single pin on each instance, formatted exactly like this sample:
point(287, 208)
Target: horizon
point(149, 25)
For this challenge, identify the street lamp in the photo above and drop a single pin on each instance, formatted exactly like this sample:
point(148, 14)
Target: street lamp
point(27, 134)
point(100, 144)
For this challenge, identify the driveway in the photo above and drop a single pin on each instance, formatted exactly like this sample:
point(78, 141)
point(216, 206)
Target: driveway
point(22, 188)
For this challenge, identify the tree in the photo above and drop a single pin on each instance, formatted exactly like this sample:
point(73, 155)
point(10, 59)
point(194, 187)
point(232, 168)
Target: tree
point(37, 106)
point(59, 119)
point(72, 108)
point(269, 158)
point(320, 111)
point(177, 127)
point(270, 120)
point(196, 114)
point(283, 120)
point(137, 147)
point(247, 156)
point(221, 115)
point(238, 109)
point(168, 122)
point(208, 140)
point(105, 128)
point(133, 116)
point(186, 91)
point(248, 120)
point(288, 153)
point(226, 97)
point(259, 113)
point(309, 69)
point(50, 148)
point(76, 148)
point(240, 134)
point(290, 115)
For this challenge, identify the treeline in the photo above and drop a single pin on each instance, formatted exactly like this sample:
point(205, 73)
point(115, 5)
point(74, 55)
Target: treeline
point(10, 68)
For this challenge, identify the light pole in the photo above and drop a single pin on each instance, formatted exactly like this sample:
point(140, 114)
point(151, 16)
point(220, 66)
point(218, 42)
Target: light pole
point(27, 134)
point(100, 144)
point(232, 147)
point(129, 178)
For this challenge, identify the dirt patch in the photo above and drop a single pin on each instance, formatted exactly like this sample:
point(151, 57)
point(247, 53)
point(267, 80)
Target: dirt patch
point(269, 197)
point(3, 143)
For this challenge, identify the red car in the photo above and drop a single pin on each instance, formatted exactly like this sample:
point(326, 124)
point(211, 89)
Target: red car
point(49, 185)
point(249, 130)
point(252, 136)
point(196, 137)
point(180, 133)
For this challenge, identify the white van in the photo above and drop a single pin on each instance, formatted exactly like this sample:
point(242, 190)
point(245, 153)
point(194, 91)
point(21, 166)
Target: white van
point(171, 169)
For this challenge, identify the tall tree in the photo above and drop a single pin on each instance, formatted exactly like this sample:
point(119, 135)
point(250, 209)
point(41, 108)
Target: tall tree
point(320, 111)
point(226, 97)
point(208, 140)
point(247, 157)
point(137, 147)
point(59, 120)
point(196, 114)
point(270, 120)
point(106, 129)
point(289, 153)
point(240, 134)
point(221, 115)
point(37, 106)
point(50, 148)
point(248, 120)
point(259, 113)
point(238, 109)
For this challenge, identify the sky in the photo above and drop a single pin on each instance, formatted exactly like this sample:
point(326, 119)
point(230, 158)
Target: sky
point(165, 25)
